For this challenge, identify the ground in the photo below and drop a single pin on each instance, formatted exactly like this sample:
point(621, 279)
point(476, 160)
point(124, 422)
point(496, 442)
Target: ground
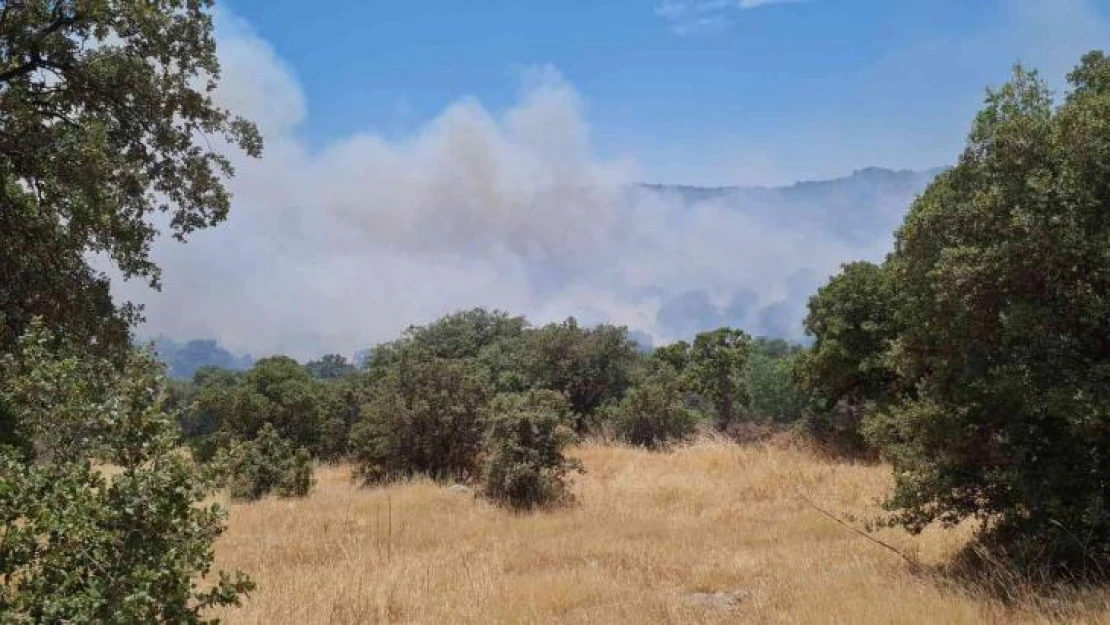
point(709, 533)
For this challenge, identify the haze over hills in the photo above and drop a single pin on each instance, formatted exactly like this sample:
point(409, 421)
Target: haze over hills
point(331, 248)
point(799, 233)
point(859, 207)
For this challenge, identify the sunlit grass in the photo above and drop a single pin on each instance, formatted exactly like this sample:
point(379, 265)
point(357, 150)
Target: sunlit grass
point(649, 531)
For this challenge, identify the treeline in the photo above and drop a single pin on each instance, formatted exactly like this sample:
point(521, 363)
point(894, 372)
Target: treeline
point(975, 359)
point(433, 401)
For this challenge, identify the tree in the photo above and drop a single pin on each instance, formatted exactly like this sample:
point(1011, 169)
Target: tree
point(268, 463)
point(676, 355)
point(426, 417)
point(716, 364)
point(1003, 279)
point(81, 545)
point(101, 108)
point(491, 337)
point(276, 391)
point(330, 367)
point(653, 413)
point(526, 467)
point(465, 333)
point(591, 366)
point(846, 372)
point(769, 376)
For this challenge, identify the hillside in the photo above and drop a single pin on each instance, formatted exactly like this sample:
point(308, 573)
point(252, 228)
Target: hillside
point(866, 204)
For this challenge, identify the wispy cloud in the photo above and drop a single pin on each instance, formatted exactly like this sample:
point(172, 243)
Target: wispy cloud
point(706, 17)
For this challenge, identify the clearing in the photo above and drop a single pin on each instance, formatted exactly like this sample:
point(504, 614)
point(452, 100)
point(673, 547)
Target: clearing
point(711, 532)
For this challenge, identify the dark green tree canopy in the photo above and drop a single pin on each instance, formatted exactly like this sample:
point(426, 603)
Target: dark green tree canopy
point(852, 322)
point(106, 117)
point(717, 360)
point(1003, 276)
point(591, 366)
point(330, 367)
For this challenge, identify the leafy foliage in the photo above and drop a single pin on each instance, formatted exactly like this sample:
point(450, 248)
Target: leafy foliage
point(464, 334)
point(717, 360)
point(846, 373)
point(330, 367)
point(1003, 278)
point(769, 376)
point(526, 467)
point(85, 545)
point(590, 366)
point(267, 464)
point(653, 413)
point(276, 392)
point(99, 106)
point(427, 416)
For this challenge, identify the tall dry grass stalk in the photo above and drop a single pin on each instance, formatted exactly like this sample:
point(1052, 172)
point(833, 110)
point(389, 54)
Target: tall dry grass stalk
point(650, 530)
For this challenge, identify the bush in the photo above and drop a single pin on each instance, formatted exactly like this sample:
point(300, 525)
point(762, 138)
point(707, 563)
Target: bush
point(267, 464)
point(82, 545)
point(653, 414)
point(426, 417)
point(526, 468)
point(840, 430)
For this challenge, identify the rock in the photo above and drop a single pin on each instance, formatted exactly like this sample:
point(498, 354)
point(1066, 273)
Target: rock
point(459, 489)
point(716, 600)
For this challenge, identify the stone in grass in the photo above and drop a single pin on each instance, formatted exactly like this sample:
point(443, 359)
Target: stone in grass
point(719, 600)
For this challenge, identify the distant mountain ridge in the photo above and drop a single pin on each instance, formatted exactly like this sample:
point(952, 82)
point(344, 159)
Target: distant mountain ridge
point(873, 175)
point(867, 203)
point(859, 211)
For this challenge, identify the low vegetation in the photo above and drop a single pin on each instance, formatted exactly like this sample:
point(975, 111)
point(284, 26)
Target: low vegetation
point(710, 532)
point(528, 434)
point(104, 520)
point(968, 370)
point(654, 413)
point(266, 464)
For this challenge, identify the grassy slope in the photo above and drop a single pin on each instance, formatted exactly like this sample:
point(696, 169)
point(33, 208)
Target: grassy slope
point(649, 530)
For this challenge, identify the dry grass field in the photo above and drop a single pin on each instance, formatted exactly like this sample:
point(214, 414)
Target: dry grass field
point(649, 533)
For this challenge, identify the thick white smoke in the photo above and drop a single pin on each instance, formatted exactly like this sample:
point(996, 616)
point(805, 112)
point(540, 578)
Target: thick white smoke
point(336, 249)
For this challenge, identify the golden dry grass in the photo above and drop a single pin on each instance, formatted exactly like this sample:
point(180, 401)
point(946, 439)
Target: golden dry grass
point(649, 529)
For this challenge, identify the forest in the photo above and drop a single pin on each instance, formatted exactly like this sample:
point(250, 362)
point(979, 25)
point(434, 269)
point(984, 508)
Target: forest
point(971, 367)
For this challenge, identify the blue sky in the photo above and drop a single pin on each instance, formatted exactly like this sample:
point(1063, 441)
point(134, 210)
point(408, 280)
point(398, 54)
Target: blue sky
point(427, 156)
point(699, 91)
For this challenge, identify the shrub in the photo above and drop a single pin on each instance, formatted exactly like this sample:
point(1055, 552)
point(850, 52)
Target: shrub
point(267, 464)
point(653, 414)
point(526, 468)
point(82, 545)
point(426, 417)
